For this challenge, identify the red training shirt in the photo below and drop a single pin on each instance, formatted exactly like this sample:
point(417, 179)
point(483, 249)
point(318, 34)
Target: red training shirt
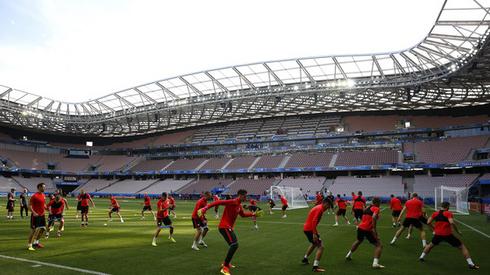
point(359, 202)
point(56, 208)
point(162, 206)
point(114, 203)
point(319, 199)
point(84, 199)
point(233, 208)
point(367, 218)
point(147, 200)
point(253, 202)
point(341, 203)
point(395, 204)
point(171, 200)
point(443, 227)
point(202, 202)
point(414, 208)
point(284, 201)
point(38, 203)
point(313, 219)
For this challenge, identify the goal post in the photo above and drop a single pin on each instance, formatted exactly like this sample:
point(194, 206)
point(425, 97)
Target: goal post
point(456, 196)
point(294, 195)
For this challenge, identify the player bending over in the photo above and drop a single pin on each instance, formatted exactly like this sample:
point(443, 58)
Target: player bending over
point(10, 204)
point(444, 233)
point(396, 208)
point(272, 204)
point(342, 208)
point(56, 207)
point(37, 205)
point(163, 219)
point(252, 207)
point(200, 223)
point(311, 232)
point(233, 208)
point(84, 200)
point(115, 208)
point(285, 206)
point(147, 207)
point(367, 229)
point(414, 208)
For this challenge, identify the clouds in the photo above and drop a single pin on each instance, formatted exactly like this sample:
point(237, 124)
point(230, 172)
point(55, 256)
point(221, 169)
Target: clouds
point(76, 50)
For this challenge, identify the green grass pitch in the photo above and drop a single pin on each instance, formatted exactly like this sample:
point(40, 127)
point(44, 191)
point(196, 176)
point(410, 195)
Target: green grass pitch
point(276, 248)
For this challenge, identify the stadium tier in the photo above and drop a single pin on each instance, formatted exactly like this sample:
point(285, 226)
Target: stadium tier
point(168, 185)
point(307, 185)
point(382, 186)
point(202, 185)
point(425, 185)
point(6, 184)
point(253, 186)
point(367, 158)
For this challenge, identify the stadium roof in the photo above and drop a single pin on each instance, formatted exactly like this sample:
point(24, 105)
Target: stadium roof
point(448, 68)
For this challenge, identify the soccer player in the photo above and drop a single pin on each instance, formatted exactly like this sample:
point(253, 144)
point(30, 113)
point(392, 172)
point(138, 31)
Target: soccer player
point(414, 208)
point(37, 205)
point(272, 204)
point(10, 204)
point(163, 219)
point(79, 205)
point(56, 208)
point(23, 203)
point(84, 200)
point(285, 206)
point(171, 201)
point(396, 208)
point(359, 202)
point(233, 208)
point(331, 198)
point(200, 223)
point(367, 230)
point(147, 207)
point(311, 232)
point(115, 208)
point(216, 208)
point(443, 233)
point(342, 208)
point(318, 198)
point(252, 207)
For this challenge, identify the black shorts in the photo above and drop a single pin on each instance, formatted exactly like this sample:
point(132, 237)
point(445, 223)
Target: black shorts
point(412, 221)
point(38, 222)
point(423, 219)
point(55, 217)
point(10, 206)
point(341, 212)
point(164, 221)
point(369, 235)
point(79, 206)
point(284, 207)
point(172, 207)
point(309, 236)
point(147, 208)
point(229, 235)
point(115, 209)
point(272, 205)
point(84, 209)
point(358, 213)
point(451, 239)
point(253, 208)
point(199, 223)
point(396, 213)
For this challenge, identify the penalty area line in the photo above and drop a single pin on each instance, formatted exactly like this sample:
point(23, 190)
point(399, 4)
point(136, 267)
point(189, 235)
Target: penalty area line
point(472, 228)
point(54, 265)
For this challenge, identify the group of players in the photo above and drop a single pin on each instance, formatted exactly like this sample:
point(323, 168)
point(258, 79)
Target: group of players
point(365, 217)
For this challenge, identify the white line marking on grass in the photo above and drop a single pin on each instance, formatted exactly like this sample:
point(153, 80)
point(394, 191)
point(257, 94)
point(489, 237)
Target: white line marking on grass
point(472, 228)
point(53, 265)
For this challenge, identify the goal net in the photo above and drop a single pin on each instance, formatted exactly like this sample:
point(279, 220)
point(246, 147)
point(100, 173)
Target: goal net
point(294, 196)
point(456, 196)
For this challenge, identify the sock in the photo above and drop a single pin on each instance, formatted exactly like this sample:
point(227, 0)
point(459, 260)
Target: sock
point(306, 256)
point(394, 240)
point(154, 239)
point(200, 239)
point(470, 262)
point(424, 243)
point(194, 243)
point(36, 241)
point(316, 263)
point(349, 254)
point(375, 261)
point(422, 255)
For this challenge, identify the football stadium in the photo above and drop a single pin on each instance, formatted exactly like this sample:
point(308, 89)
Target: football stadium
point(369, 163)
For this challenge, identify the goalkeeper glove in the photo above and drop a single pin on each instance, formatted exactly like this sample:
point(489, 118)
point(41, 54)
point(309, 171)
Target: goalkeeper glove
point(259, 213)
point(201, 212)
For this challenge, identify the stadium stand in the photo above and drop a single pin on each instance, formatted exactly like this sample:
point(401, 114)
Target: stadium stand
point(199, 186)
point(95, 185)
point(382, 186)
point(115, 163)
point(269, 162)
point(31, 183)
point(151, 165)
point(168, 185)
point(127, 186)
point(8, 183)
point(241, 163)
point(215, 164)
point(309, 160)
point(185, 164)
point(376, 157)
point(425, 185)
point(307, 184)
point(253, 186)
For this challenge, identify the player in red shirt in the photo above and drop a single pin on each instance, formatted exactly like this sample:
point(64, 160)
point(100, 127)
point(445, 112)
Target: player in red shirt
point(311, 232)
point(84, 200)
point(414, 208)
point(396, 208)
point(233, 208)
point(342, 209)
point(163, 219)
point(367, 229)
point(171, 200)
point(216, 208)
point(114, 208)
point(200, 223)
point(318, 198)
point(252, 207)
point(147, 207)
point(37, 205)
point(285, 206)
point(443, 233)
point(358, 204)
point(56, 208)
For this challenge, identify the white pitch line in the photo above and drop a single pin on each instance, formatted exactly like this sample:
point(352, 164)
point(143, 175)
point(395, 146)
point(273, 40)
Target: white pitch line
point(472, 228)
point(54, 265)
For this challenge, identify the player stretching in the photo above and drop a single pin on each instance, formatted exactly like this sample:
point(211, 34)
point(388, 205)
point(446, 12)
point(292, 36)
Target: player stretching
point(147, 207)
point(10, 204)
point(285, 206)
point(216, 208)
point(342, 208)
point(37, 205)
point(163, 220)
point(115, 208)
point(414, 210)
point(84, 200)
point(272, 204)
point(233, 208)
point(311, 232)
point(200, 223)
point(396, 208)
point(367, 229)
point(252, 207)
point(359, 202)
point(23, 204)
point(56, 208)
point(443, 233)
point(171, 201)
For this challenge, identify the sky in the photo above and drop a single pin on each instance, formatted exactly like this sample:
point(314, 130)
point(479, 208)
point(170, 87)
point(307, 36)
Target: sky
point(73, 50)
